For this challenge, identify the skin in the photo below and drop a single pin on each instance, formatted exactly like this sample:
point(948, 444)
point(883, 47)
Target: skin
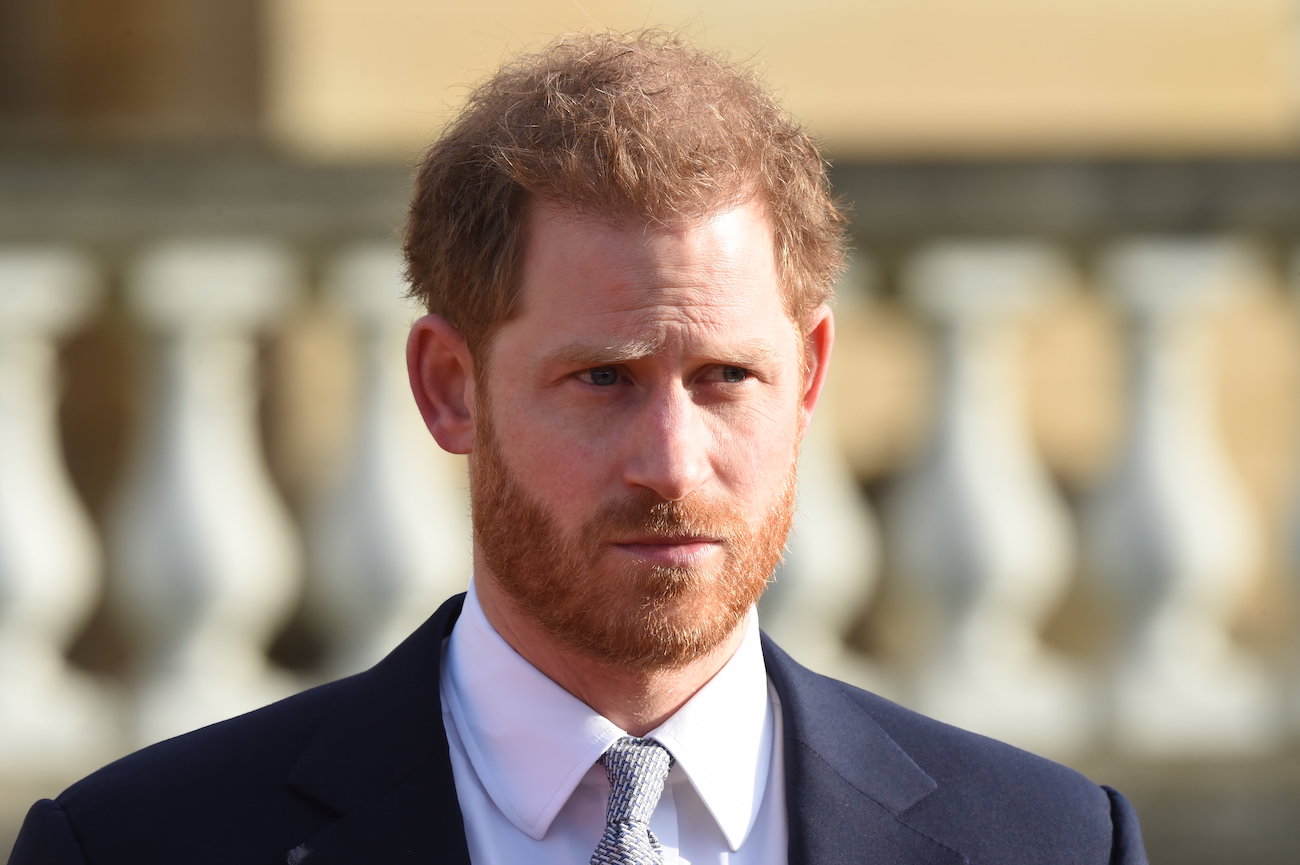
point(648, 367)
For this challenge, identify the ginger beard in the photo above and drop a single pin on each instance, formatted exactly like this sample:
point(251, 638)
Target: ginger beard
point(632, 615)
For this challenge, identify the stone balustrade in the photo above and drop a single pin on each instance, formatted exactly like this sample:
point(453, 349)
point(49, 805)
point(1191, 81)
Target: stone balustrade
point(201, 555)
point(279, 515)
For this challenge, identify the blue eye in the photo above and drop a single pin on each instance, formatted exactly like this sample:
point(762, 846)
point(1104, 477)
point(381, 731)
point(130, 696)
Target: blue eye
point(602, 376)
point(734, 374)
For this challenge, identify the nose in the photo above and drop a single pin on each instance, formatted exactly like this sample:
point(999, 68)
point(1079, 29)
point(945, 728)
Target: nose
point(669, 448)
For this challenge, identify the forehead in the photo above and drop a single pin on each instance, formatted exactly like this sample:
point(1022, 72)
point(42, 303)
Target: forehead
point(594, 265)
point(594, 292)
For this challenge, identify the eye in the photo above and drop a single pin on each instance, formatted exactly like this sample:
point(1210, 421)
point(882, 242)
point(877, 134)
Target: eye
point(733, 374)
point(725, 374)
point(600, 376)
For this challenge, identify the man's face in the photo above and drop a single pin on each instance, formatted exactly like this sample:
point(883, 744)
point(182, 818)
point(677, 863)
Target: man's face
point(636, 433)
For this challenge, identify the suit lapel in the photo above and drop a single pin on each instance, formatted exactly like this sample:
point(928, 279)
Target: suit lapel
point(381, 762)
point(848, 783)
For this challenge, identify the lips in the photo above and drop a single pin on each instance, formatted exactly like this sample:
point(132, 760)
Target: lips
point(684, 551)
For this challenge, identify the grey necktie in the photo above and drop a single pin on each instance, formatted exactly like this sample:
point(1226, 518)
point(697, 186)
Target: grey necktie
point(637, 769)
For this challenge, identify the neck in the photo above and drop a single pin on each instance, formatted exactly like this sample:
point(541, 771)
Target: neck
point(635, 700)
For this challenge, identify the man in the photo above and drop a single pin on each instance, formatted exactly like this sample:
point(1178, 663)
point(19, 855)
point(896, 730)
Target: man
point(626, 251)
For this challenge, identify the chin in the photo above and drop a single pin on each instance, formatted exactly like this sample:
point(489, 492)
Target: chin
point(679, 616)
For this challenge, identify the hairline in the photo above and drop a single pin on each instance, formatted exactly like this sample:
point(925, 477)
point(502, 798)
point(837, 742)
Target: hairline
point(630, 217)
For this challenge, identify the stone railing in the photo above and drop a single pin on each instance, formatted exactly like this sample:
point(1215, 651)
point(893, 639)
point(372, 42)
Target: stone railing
point(275, 478)
point(201, 563)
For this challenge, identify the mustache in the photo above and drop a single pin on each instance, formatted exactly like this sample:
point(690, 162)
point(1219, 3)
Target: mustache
point(648, 514)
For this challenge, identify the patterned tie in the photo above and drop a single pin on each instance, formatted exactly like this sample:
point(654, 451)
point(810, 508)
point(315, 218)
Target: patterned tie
point(637, 769)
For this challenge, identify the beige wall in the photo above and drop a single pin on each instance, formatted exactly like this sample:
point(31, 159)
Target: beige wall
point(885, 77)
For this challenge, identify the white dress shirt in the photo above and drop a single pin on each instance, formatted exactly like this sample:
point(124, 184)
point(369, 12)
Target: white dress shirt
point(524, 752)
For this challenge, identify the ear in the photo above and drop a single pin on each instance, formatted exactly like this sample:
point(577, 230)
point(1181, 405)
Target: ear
point(818, 339)
point(441, 370)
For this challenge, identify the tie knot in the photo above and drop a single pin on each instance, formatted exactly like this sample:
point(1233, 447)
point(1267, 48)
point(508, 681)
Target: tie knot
point(637, 769)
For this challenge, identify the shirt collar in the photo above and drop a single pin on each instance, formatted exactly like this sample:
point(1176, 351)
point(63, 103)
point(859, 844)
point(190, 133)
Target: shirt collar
point(531, 742)
point(722, 738)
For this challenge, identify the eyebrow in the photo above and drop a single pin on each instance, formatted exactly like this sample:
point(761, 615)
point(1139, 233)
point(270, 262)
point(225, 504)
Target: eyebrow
point(748, 353)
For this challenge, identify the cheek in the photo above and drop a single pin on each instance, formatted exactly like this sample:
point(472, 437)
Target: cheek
point(754, 458)
point(556, 463)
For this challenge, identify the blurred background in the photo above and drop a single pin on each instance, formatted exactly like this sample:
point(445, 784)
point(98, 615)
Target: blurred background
point(1052, 495)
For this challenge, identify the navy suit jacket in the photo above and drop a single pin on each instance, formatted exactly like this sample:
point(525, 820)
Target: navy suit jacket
point(358, 771)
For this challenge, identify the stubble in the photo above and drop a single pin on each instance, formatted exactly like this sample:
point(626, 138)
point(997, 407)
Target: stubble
point(629, 615)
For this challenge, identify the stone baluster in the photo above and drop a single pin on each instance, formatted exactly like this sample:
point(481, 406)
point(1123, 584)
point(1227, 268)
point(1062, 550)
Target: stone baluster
point(205, 559)
point(390, 540)
point(1291, 554)
point(976, 525)
point(1170, 531)
point(823, 585)
point(51, 717)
